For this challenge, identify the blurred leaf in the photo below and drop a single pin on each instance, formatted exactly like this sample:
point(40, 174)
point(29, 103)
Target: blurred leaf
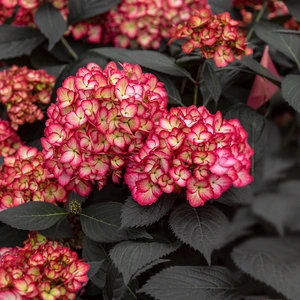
point(198, 227)
point(291, 91)
point(94, 267)
point(237, 196)
point(100, 277)
point(287, 31)
point(135, 215)
point(190, 283)
point(273, 261)
point(212, 81)
point(32, 215)
point(62, 229)
point(130, 257)
point(12, 237)
point(102, 223)
point(294, 8)
point(16, 41)
point(84, 9)
point(50, 22)
point(259, 69)
point(287, 44)
point(92, 251)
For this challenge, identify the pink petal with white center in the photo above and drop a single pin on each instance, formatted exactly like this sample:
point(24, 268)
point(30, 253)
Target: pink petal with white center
point(64, 179)
point(219, 184)
point(198, 192)
point(83, 188)
point(10, 295)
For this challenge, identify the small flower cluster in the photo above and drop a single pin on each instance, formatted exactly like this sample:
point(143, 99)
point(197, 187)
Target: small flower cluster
point(107, 114)
point(42, 269)
point(9, 139)
point(192, 149)
point(144, 23)
point(216, 36)
point(23, 91)
point(23, 178)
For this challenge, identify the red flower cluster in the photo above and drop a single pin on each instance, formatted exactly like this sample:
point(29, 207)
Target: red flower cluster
point(41, 270)
point(23, 178)
point(9, 140)
point(216, 36)
point(145, 23)
point(101, 117)
point(191, 149)
point(23, 91)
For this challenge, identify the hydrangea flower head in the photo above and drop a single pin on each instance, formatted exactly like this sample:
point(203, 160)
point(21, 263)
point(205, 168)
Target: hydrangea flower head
point(194, 151)
point(24, 91)
point(107, 114)
point(23, 178)
point(215, 36)
point(41, 270)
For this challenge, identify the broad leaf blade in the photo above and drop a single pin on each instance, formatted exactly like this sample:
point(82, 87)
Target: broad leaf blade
point(273, 261)
point(291, 91)
point(92, 251)
point(32, 215)
point(84, 9)
point(237, 196)
point(102, 223)
point(12, 237)
point(190, 283)
point(51, 23)
point(129, 257)
point(17, 41)
point(294, 8)
point(198, 227)
point(135, 215)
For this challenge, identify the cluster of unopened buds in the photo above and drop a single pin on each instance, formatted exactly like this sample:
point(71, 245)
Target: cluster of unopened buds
point(23, 178)
point(24, 92)
point(116, 120)
point(145, 23)
point(9, 139)
point(42, 269)
point(215, 36)
point(101, 117)
point(194, 150)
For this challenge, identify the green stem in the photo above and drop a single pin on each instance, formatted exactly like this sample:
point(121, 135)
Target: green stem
point(69, 48)
point(257, 19)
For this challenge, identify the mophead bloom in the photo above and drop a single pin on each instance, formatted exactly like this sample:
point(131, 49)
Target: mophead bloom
point(101, 117)
point(42, 269)
point(23, 178)
point(193, 151)
point(215, 36)
point(144, 23)
point(9, 139)
point(25, 92)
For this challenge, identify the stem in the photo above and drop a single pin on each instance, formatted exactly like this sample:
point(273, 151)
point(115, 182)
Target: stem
point(131, 291)
point(69, 48)
point(257, 19)
point(197, 81)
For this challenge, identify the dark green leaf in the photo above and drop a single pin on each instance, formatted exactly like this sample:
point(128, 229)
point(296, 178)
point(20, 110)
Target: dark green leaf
point(273, 261)
point(135, 215)
point(291, 91)
point(11, 237)
point(62, 229)
point(259, 69)
point(94, 268)
point(281, 210)
point(287, 31)
point(17, 41)
point(102, 223)
point(145, 58)
point(190, 283)
point(220, 6)
point(84, 9)
point(32, 215)
point(130, 257)
point(92, 251)
point(100, 277)
point(294, 8)
point(287, 44)
point(50, 22)
point(237, 196)
point(198, 227)
point(254, 124)
point(212, 81)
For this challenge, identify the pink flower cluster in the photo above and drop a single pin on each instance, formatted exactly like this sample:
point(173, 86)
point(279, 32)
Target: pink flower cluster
point(100, 119)
point(216, 36)
point(23, 178)
point(41, 270)
point(24, 91)
point(9, 139)
point(145, 23)
point(194, 150)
